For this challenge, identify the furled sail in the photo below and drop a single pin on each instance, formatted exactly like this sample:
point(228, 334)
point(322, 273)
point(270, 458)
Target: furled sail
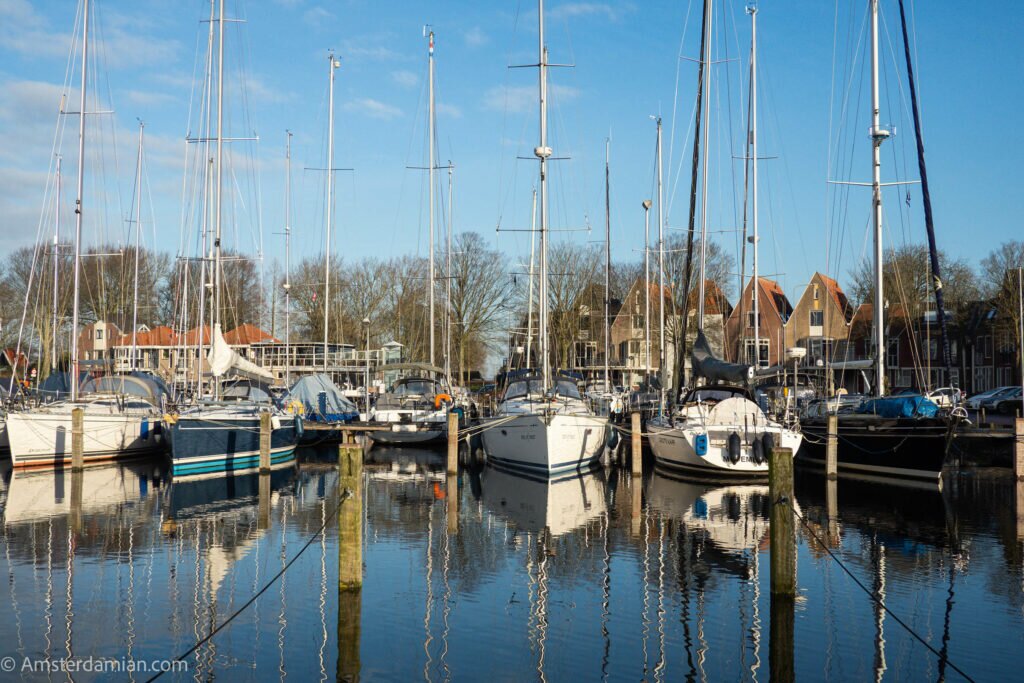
point(223, 359)
point(714, 369)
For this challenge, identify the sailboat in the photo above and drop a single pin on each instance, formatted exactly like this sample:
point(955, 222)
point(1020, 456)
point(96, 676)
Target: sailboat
point(906, 437)
point(542, 423)
point(719, 429)
point(113, 425)
point(415, 407)
point(222, 433)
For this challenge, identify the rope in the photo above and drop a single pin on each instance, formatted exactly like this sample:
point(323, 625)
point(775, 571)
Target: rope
point(345, 495)
point(874, 598)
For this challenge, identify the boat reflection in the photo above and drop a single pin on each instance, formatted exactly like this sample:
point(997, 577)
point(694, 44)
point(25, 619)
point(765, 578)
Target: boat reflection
point(535, 504)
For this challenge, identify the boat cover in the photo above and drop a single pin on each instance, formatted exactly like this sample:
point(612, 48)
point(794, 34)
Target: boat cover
point(322, 400)
point(714, 369)
point(899, 406)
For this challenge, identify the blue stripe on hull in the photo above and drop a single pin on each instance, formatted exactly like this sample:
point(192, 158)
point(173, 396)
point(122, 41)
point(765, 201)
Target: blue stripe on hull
point(554, 468)
point(200, 447)
point(234, 464)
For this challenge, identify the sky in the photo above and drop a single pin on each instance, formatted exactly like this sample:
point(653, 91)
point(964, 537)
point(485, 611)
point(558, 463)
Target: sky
point(631, 62)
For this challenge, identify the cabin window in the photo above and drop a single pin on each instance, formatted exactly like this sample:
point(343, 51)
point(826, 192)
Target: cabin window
point(817, 317)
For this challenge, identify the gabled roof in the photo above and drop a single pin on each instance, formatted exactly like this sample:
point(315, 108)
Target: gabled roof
point(192, 337)
point(778, 297)
point(837, 294)
point(246, 334)
point(715, 301)
point(158, 336)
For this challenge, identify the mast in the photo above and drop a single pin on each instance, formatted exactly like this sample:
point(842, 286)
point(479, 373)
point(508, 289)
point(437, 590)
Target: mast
point(288, 259)
point(56, 271)
point(79, 202)
point(878, 136)
point(529, 303)
point(607, 262)
point(430, 164)
point(334, 64)
point(647, 289)
point(755, 279)
point(542, 152)
point(220, 183)
point(662, 370)
point(706, 69)
point(448, 283)
point(138, 240)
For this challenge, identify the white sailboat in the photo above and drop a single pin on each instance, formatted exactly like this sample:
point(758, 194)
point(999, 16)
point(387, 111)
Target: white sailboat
point(113, 426)
point(542, 423)
point(720, 429)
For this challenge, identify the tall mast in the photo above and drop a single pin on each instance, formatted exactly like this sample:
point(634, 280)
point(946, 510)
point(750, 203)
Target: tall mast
point(56, 270)
point(755, 282)
point(138, 241)
point(334, 64)
point(448, 282)
point(662, 370)
point(607, 262)
point(288, 259)
point(647, 288)
point(79, 202)
point(529, 301)
point(878, 136)
point(430, 165)
point(542, 152)
point(220, 183)
point(706, 66)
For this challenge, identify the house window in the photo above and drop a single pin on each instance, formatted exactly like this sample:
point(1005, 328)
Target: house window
point(638, 322)
point(817, 317)
point(892, 355)
point(933, 349)
point(750, 319)
point(815, 294)
point(99, 334)
point(761, 362)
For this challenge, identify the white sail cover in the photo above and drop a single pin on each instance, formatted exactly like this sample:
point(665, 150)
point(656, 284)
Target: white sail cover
point(222, 359)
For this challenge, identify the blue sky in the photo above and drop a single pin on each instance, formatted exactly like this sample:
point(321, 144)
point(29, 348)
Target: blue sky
point(626, 58)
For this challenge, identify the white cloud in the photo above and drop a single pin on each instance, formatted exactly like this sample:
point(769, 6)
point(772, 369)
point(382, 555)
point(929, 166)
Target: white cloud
point(373, 108)
point(370, 49)
point(523, 98)
point(449, 110)
point(148, 98)
point(575, 10)
point(406, 79)
point(316, 16)
point(475, 37)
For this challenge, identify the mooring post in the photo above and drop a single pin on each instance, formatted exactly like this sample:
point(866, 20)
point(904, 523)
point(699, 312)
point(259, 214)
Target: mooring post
point(350, 518)
point(77, 439)
point(637, 505)
point(832, 508)
point(1018, 448)
point(832, 447)
point(76, 500)
point(453, 442)
point(263, 511)
point(451, 493)
point(637, 444)
point(265, 431)
point(783, 538)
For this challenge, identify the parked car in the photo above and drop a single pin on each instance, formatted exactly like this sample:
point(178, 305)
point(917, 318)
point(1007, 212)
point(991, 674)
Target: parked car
point(974, 402)
point(946, 397)
point(1006, 403)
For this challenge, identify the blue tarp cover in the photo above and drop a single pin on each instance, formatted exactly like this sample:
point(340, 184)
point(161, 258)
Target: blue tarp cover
point(900, 406)
point(322, 400)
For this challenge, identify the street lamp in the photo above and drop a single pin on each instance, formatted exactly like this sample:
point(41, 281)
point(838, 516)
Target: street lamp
point(366, 385)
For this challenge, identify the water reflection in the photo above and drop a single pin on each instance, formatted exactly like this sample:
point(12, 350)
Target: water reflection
point(600, 576)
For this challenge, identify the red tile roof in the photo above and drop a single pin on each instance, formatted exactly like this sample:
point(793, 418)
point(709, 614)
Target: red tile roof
point(838, 296)
point(158, 336)
point(246, 334)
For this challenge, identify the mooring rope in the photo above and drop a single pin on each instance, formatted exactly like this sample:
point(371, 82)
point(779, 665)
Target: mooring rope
point(874, 598)
point(345, 495)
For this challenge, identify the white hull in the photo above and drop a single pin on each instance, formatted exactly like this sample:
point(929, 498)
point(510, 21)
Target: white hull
point(42, 438)
point(700, 441)
point(546, 444)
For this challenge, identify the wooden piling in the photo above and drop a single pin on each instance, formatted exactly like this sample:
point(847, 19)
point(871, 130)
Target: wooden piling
point(637, 505)
point(832, 447)
point(637, 444)
point(265, 431)
point(75, 517)
point(263, 511)
point(77, 439)
point(783, 538)
point(1018, 448)
point(451, 493)
point(832, 508)
point(350, 518)
point(453, 442)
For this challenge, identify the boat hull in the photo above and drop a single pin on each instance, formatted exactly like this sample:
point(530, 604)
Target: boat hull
point(909, 448)
point(676, 447)
point(219, 444)
point(545, 444)
point(39, 439)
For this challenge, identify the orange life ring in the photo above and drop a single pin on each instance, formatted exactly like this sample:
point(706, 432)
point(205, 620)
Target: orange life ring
point(439, 398)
